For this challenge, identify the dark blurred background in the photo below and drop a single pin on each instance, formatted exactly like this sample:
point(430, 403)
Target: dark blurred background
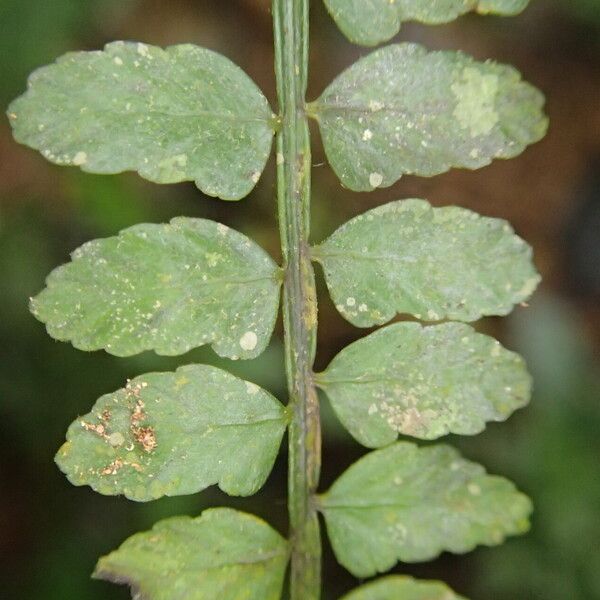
point(51, 533)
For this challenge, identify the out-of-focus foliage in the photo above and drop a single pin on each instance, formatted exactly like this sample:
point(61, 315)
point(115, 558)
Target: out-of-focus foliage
point(34, 30)
point(586, 10)
point(557, 446)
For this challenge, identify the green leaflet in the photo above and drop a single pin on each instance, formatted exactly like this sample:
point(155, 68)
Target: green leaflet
point(424, 382)
point(374, 21)
point(432, 263)
point(409, 503)
point(223, 554)
point(402, 109)
point(168, 288)
point(398, 587)
point(180, 114)
point(170, 434)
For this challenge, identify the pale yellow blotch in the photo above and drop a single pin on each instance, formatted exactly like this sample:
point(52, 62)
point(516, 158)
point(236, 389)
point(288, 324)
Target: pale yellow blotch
point(476, 107)
point(181, 381)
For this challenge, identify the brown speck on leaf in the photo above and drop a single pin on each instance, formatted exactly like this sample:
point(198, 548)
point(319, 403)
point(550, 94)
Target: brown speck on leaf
point(131, 390)
point(113, 468)
point(96, 428)
point(146, 437)
point(138, 412)
point(134, 389)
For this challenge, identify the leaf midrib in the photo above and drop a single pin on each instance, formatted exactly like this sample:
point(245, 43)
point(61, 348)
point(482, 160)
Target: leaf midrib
point(197, 114)
point(193, 569)
point(326, 506)
point(319, 254)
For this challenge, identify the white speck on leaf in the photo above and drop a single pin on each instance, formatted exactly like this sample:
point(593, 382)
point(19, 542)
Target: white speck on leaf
point(375, 105)
point(142, 49)
point(80, 159)
point(248, 341)
point(474, 489)
point(251, 388)
point(375, 179)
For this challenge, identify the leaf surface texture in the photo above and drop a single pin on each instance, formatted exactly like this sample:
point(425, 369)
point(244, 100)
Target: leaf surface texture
point(398, 587)
point(424, 382)
point(432, 263)
point(408, 503)
point(404, 110)
point(180, 114)
point(370, 22)
point(164, 287)
point(222, 554)
point(170, 434)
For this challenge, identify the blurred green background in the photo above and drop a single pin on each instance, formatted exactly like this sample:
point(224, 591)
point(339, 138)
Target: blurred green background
point(52, 533)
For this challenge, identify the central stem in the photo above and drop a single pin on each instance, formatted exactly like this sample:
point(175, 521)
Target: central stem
point(299, 303)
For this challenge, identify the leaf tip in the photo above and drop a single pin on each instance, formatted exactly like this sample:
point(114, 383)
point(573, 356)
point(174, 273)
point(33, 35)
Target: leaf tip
point(103, 572)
